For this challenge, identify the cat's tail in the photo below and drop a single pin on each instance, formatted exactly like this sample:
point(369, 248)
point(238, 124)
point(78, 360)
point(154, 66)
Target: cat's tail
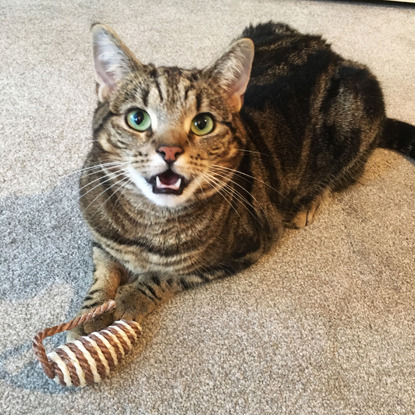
point(400, 136)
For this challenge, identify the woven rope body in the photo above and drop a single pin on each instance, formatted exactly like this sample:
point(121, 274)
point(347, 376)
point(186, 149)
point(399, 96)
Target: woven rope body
point(90, 358)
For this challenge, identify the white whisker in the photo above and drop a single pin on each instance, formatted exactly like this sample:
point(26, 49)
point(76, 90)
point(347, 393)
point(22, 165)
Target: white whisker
point(105, 190)
point(104, 166)
point(110, 176)
point(239, 196)
point(237, 172)
point(124, 187)
point(93, 169)
point(100, 165)
point(213, 183)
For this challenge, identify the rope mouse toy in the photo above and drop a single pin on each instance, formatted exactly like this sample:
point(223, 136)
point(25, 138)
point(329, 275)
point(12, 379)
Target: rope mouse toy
point(90, 358)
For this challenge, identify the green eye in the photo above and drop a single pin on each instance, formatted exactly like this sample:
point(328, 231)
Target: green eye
point(138, 120)
point(202, 124)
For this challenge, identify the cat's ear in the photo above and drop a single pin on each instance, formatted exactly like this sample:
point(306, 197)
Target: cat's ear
point(232, 71)
point(112, 59)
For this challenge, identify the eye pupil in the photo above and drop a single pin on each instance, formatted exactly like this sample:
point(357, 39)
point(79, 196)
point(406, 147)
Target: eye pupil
point(201, 123)
point(138, 117)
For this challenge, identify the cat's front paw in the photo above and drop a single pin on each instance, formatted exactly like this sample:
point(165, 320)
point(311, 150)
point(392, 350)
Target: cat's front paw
point(308, 215)
point(97, 324)
point(132, 304)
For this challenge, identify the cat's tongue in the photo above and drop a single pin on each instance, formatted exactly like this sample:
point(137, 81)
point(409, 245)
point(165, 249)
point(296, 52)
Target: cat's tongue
point(168, 180)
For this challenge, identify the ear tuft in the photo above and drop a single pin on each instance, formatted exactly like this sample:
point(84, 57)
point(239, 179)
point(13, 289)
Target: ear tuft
point(112, 59)
point(233, 69)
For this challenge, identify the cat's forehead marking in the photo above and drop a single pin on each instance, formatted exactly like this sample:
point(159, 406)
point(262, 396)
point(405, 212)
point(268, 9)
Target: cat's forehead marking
point(172, 95)
point(172, 85)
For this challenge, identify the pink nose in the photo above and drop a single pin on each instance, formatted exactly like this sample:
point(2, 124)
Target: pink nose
point(169, 153)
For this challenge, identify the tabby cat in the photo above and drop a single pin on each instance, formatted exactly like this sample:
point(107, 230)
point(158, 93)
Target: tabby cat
point(194, 173)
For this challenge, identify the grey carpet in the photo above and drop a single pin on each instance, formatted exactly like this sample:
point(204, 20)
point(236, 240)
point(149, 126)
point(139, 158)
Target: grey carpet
point(324, 324)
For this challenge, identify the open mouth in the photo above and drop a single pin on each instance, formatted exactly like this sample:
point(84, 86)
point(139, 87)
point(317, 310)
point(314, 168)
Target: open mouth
point(168, 183)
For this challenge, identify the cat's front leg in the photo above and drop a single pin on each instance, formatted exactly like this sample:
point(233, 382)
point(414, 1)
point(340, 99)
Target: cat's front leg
point(137, 299)
point(107, 277)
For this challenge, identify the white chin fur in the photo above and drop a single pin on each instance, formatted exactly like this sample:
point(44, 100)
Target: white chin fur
point(160, 199)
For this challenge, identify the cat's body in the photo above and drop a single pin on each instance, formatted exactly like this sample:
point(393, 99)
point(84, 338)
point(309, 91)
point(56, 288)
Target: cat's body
point(170, 208)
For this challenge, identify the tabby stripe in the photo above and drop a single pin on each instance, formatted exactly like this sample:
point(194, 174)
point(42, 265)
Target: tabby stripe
point(186, 285)
point(198, 278)
point(98, 146)
point(92, 292)
point(144, 96)
point(107, 185)
point(168, 226)
point(155, 279)
point(103, 120)
point(198, 101)
point(193, 76)
point(249, 202)
point(153, 293)
point(177, 263)
point(186, 91)
point(238, 141)
point(145, 294)
point(93, 305)
point(332, 92)
point(222, 270)
point(118, 143)
point(264, 152)
point(245, 168)
point(178, 268)
point(156, 82)
point(165, 227)
point(203, 277)
point(148, 247)
point(96, 244)
point(232, 129)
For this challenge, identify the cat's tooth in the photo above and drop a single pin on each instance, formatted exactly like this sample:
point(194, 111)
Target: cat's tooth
point(177, 184)
point(158, 182)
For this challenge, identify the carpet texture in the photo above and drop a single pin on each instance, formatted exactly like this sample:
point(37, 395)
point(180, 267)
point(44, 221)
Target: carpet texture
point(324, 324)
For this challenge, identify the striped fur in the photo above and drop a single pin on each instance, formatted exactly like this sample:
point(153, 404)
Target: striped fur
point(309, 121)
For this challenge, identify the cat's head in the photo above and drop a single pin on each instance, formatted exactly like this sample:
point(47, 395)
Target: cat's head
point(174, 133)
